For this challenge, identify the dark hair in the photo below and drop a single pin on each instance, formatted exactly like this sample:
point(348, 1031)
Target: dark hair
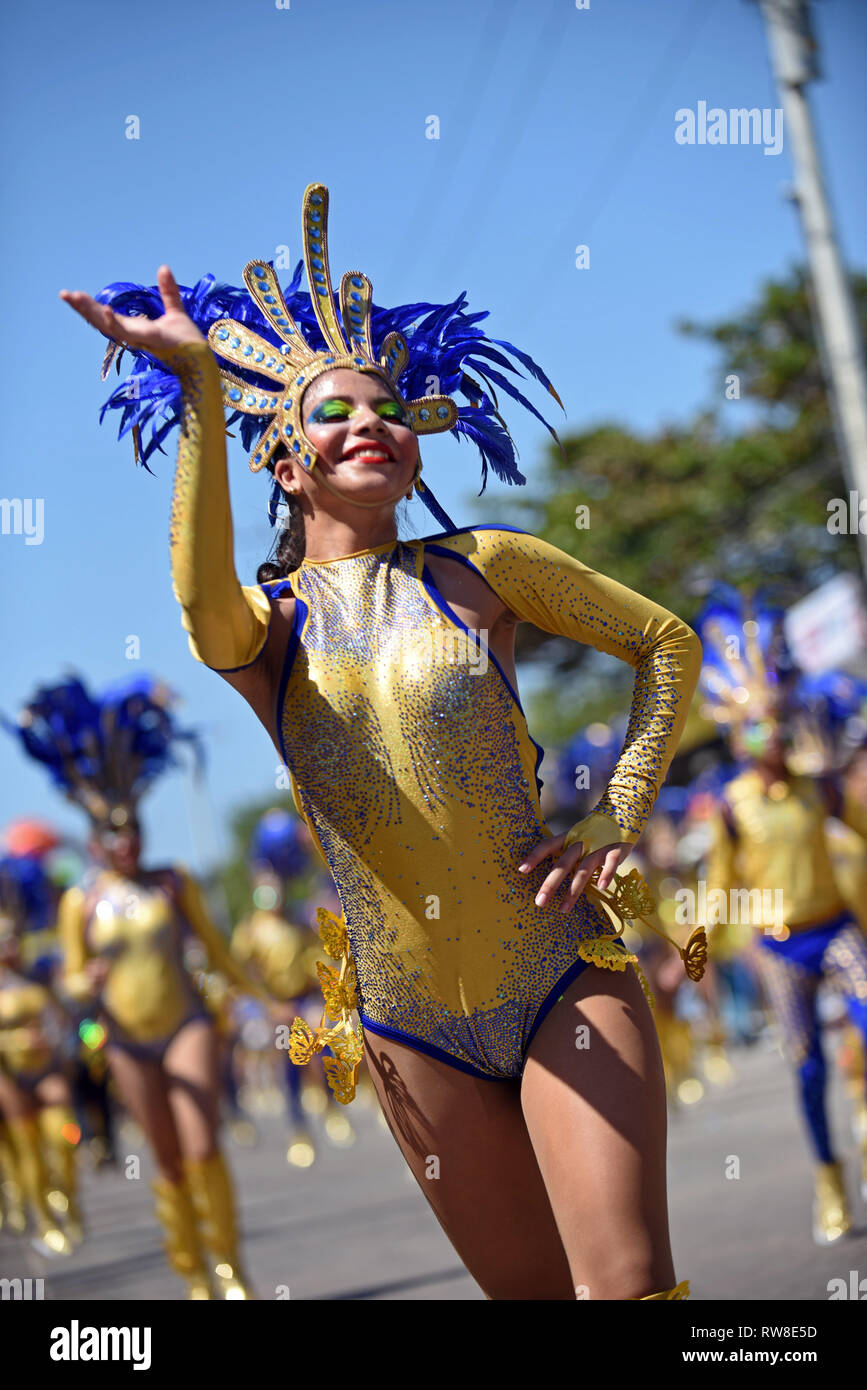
point(290, 546)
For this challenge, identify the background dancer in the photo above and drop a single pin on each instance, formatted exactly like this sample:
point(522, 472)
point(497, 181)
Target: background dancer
point(123, 934)
point(770, 836)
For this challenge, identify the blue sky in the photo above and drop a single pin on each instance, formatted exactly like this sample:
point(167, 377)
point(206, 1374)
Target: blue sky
point(556, 130)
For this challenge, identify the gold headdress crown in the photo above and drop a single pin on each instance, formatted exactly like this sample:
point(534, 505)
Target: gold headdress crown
point(737, 688)
point(294, 365)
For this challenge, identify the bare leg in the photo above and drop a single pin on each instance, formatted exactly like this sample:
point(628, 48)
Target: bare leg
point(467, 1146)
point(141, 1086)
point(597, 1119)
point(54, 1090)
point(16, 1102)
point(192, 1071)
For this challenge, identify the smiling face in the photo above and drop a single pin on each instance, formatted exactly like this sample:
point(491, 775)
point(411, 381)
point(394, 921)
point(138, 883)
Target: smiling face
point(362, 434)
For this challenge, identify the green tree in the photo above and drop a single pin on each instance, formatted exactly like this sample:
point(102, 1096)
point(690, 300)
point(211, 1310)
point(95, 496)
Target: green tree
point(740, 492)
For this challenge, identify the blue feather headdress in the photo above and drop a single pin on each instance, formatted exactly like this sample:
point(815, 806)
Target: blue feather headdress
point(26, 893)
point(278, 845)
point(292, 337)
point(749, 674)
point(747, 669)
point(103, 751)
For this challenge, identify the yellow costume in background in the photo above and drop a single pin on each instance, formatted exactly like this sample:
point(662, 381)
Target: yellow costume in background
point(279, 953)
point(148, 995)
point(38, 1153)
point(771, 867)
point(146, 999)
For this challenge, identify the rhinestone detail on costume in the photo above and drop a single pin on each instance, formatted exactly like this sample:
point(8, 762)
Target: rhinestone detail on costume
point(418, 778)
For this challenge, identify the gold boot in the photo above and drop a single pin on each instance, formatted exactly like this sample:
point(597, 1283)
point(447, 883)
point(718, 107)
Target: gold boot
point(178, 1220)
point(213, 1198)
point(12, 1215)
point(680, 1290)
point(831, 1216)
point(60, 1135)
point(48, 1239)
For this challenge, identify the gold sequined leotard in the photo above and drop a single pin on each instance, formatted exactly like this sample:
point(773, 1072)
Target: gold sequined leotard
point(148, 995)
point(410, 756)
point(280, 953)
point(773, 840)
point(29, 1029)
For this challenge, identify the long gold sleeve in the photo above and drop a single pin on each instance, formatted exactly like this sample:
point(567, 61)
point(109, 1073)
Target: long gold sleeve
point(545, 586)
point(227, 623)
point(192, 906)
point(71, 925)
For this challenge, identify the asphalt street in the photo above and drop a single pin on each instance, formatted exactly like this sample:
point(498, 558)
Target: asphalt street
point(355, 1226)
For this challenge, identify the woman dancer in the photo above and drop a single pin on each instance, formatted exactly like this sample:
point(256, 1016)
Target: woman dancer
point(770, 844)
point(123, 934)
point(543, 1159)
point(279, 951)
point(38, 1147)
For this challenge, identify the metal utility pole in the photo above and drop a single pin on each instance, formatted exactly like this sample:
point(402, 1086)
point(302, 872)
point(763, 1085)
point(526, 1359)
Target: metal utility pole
point(794, 61)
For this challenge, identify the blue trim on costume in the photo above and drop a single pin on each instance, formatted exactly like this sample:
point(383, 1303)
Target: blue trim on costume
point(383, 1030)
point(278, 591)
point(428, 582)
point(806, 948)
point(463, 530)
point(301, 612)
point(552, 997)
point(431, 1050)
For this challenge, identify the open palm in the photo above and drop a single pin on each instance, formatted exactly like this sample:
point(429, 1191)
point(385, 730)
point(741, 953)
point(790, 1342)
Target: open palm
point(158, 336)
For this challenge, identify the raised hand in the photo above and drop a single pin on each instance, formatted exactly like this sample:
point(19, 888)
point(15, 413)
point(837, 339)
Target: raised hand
point(159, 336)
